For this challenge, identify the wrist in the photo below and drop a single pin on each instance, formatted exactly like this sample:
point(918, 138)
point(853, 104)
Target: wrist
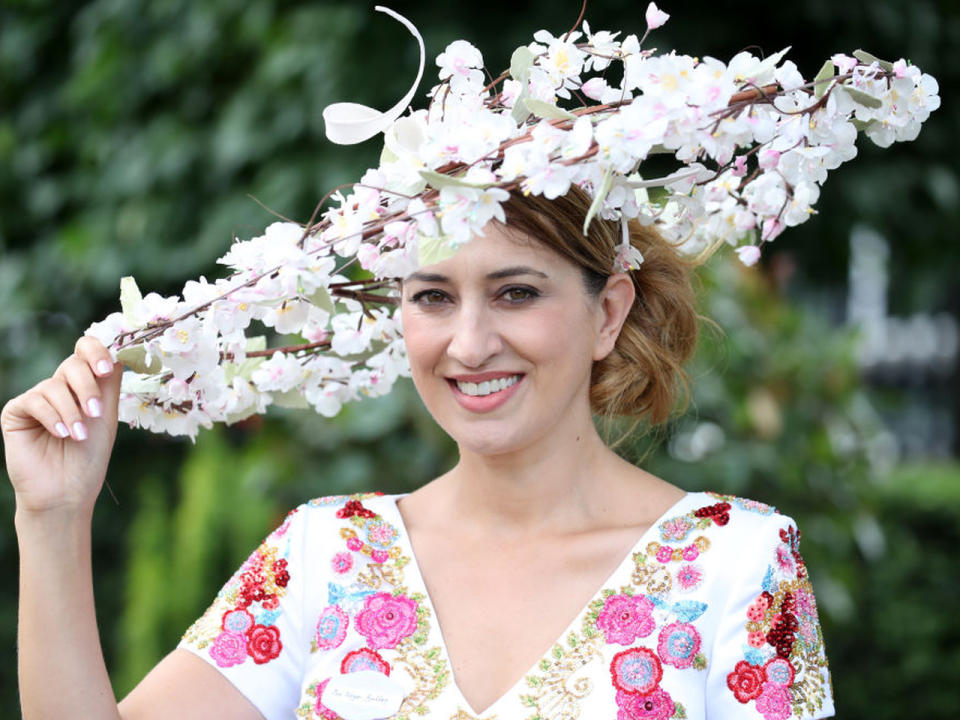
point(50, 523)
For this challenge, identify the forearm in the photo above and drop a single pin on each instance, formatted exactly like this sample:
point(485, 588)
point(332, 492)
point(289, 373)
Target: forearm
point(61, 668)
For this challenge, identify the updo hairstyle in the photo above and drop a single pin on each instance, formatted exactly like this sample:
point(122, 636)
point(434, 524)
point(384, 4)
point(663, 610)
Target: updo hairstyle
point(643, 377)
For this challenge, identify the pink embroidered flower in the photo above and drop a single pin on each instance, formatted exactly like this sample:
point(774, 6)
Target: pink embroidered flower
point(757, 639)
point(381, 534)
point(342, 562)
point(779, 671)
point(678, 644)
point(665, 553)
point(332, 628)
point(386, 619)
point(636, 670)
point(675, 528)
point(763, 601)
point(656, 705)
point(774, 702)
point(321, 709)
point(785, 560)
point(756, 610)
point(229, 648)
point(625, 618)
point(806, 603)
point(691, 553)
point(364, 659)
point(746, 681)
point(379, 556)
point(237, 621)
point(355, 544)
point(689, 577)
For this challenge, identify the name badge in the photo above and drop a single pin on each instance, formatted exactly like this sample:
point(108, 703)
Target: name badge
point(364, 695)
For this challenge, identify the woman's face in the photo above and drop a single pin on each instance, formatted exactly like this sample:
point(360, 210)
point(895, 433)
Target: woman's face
point(501, 339)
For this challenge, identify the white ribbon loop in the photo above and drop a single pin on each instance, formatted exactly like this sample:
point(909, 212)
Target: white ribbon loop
point(350, 123)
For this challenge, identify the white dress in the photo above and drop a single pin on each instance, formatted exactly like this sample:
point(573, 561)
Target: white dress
point(711, 615)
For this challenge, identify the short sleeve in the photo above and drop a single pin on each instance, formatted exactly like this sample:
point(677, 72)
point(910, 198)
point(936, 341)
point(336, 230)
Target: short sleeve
point(252, 632)
point(768, 659)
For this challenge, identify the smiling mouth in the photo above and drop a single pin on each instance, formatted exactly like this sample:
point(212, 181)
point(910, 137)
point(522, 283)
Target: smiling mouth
point(487, 387)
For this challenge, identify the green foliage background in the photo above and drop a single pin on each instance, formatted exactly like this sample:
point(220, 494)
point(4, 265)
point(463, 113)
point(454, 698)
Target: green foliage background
point(133, 134)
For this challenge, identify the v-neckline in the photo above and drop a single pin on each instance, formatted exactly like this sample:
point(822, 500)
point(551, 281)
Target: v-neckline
point(419, 585)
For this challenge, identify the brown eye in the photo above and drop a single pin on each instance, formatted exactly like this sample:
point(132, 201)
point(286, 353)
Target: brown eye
point(518, 294)
point(429, 297)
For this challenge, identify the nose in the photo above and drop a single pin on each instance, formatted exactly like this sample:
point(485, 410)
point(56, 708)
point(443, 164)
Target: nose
point(475, 338)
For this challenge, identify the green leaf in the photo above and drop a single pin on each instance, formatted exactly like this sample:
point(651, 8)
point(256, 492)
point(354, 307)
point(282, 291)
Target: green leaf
point(520, 111)
point(547, 110)
point(130, 296)
point(520, 63)
point(868, 59)
point(769, 63)
point(148, 384)
point(439, 180)
point(858, 96)
point(433, 249)
point(135, 358)
point(289, 399)
point(320, 298)
point(823, 78)
point(387, 156)
point(605, 185)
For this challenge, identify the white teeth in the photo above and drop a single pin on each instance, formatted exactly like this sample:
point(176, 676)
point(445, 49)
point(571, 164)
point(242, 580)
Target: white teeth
point(487, 387)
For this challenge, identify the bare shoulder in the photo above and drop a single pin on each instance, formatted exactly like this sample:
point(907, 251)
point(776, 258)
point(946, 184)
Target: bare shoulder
point(184, 686)
point(640, 496)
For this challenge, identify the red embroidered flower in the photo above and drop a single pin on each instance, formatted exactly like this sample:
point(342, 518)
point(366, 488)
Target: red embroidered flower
point(386, 619)
point(656, 705)
point(678, 644)
point(364, 659)
point(625, 618)
point(263, 643)
point(779, 671)
point(353, 507)
point(746, 681)
point(719, 513)
point(237, 621)
point(636, 670)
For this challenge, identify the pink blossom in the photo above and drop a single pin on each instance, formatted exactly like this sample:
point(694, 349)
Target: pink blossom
point(740, 166)
point(678, 644)
point(748, 254)
point(768, 159)
point(355, 544)
point(229, 648)
point(675, 528)
point(665, 553)
point(656, 705)
point(625, 618)
point(331, 628)
point(386, 619)
point(772, 227)
point(691, 553)
point(379, 556)
point(655, 16)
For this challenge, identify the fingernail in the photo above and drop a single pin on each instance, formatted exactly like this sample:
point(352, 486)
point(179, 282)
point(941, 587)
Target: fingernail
point(93, 406)
point(104, 367)
point(62, 430)
point(79, 431)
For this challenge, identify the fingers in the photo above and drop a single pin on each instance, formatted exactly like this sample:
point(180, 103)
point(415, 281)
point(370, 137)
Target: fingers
point(97, 357)
point(55, 407)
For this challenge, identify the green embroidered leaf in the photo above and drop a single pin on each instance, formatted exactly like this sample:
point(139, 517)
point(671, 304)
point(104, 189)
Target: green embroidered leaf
point(598, 199)
point(548, 111)
point(557, 652)
point(433, 249)
point(868, 59)
point(822, 81)
point(858, 96)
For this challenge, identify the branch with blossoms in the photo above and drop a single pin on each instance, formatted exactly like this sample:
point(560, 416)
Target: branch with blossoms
point(752, 142)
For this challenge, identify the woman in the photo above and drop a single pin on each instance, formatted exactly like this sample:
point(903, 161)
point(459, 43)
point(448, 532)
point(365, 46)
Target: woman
point(542, 576)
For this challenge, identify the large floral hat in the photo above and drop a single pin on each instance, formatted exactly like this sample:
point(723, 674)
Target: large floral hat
point(751, 141)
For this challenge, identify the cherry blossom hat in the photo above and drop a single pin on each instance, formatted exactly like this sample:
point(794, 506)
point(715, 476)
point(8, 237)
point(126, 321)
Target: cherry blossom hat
point(751, 139)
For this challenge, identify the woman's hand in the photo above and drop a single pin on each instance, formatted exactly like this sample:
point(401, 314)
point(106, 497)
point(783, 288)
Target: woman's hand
point(58, 435)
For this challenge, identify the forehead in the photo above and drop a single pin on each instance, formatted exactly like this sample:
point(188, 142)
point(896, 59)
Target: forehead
point(498, 248)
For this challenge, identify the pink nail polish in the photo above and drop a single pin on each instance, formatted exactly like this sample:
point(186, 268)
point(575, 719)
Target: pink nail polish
point(62, 430)
point(103, 367)
point(93, 406)
point(79, 431)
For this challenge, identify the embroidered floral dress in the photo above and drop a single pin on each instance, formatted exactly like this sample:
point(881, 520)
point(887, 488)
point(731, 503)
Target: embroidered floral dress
point(711, 615)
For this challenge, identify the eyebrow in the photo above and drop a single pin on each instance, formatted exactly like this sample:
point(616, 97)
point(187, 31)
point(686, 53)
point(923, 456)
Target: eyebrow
point(496, 275)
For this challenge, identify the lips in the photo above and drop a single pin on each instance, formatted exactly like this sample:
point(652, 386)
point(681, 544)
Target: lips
point(483, 392)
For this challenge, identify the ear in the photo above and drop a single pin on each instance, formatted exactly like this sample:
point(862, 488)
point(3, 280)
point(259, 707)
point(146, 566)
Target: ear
point(615, 302)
